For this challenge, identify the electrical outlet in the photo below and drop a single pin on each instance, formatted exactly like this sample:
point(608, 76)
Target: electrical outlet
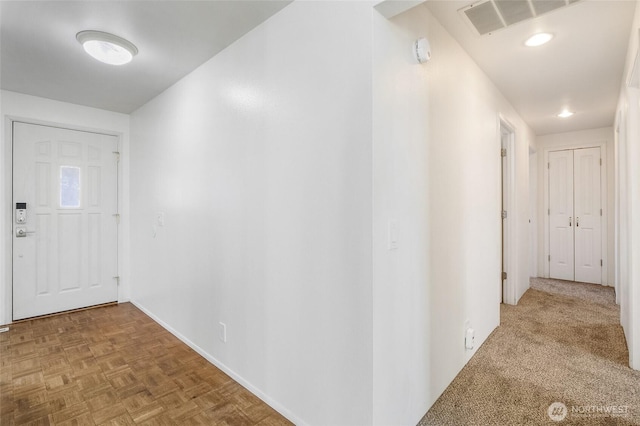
point(222, 332)
point(469, 335)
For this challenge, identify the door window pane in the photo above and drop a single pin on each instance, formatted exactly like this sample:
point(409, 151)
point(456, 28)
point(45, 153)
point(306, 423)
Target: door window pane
point(69, 187)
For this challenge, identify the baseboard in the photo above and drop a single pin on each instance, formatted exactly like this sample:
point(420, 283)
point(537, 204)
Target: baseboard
point(247, 385)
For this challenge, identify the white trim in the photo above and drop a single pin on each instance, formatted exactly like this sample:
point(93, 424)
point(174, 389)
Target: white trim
point(603, 203)
point(235, 376)
point(510, 292)
point(533, 213)
point(6, 286)
point(6, 227)
point(618, 139)
point(391, 8)
point(631, 248)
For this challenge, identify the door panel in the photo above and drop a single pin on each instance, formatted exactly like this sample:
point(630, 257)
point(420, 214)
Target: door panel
point(575, 234)
point(561, 248)
point(68, 257)
point(588, 247)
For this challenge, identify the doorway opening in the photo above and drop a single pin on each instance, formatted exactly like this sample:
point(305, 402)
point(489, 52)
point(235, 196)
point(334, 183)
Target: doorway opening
point(507, 144)
point(533, 212)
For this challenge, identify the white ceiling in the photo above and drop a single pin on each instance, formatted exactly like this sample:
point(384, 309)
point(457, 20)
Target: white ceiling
point(40, 55)
point(580, 69)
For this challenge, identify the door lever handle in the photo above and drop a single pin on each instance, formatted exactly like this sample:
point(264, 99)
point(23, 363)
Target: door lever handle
point(21, 232)
point(569, 220)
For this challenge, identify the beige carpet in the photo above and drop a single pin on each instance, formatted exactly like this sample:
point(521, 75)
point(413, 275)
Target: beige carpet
point(561, 343)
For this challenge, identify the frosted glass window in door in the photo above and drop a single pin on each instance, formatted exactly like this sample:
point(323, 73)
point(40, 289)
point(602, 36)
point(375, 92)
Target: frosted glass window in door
point(69, 187)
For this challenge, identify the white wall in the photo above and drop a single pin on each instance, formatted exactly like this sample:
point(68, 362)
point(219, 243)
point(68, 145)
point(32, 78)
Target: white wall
point(533, 213)
point(45, 111)
point(627, 192)
point(261, 161)
point(571, 140)
point(401, 299)
point(465, 203)
point(437, 175)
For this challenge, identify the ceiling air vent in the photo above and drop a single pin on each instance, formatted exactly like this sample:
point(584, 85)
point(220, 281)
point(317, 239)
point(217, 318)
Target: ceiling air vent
point(487, 16)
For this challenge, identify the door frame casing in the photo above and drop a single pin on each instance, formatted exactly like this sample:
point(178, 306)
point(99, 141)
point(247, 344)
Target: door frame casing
point(604, 235)
point(509, 292)
point(6, 286)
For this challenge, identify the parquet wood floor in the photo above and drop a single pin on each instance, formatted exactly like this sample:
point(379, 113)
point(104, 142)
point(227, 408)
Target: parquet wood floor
point(115, 366)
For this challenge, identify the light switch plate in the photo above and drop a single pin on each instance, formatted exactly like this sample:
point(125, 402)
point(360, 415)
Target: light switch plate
point(223, 332)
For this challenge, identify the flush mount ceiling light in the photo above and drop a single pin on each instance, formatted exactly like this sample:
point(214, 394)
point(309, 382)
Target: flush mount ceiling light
point(106, 47)
point(538, 39)
point(565, 113)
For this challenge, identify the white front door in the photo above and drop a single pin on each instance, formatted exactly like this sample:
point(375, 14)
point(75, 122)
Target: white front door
point(65, 248)
point(574, 215)
point(588, 239)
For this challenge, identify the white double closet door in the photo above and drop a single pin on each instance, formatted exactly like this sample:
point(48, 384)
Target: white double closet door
point(575, 223)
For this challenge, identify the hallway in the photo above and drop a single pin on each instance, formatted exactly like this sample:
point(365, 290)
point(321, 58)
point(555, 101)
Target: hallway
point(311, 205)
point(561, 343)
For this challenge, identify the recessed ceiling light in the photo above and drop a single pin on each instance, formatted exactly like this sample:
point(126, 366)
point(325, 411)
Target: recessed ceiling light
point(565, 113)
point(538, 39)
point(106, 47)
